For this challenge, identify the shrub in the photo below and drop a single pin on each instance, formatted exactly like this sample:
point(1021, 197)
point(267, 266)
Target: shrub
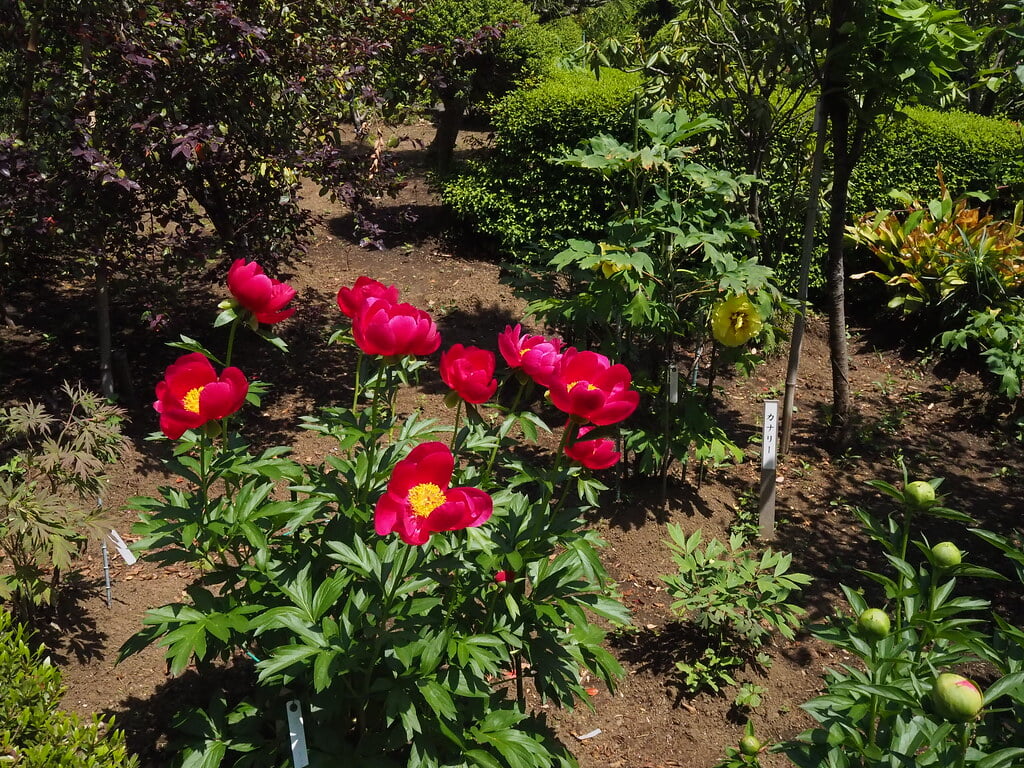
point(519, 195)
point(34, 733)
point(944, 257)
point(52, 472)
point(890, 703)
point(568, 32)
point(976, 153)
point(735, 597)
point(398, 652)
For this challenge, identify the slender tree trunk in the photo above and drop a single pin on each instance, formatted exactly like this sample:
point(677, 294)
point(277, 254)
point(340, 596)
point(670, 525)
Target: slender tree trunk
point(836, 278)
point(28, 84)
point(449, 123)
point(837, 102)
point(103, 328)
point(810, 225)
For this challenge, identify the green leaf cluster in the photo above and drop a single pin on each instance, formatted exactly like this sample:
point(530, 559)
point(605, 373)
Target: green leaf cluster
point(735, 597)
point(877, 711)
point(399, 655)
point(34, 732)
point(51, 478)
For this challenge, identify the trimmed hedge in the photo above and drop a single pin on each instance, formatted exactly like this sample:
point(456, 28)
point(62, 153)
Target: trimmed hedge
point(519, 195)
point(34, 733)
point(977, 154)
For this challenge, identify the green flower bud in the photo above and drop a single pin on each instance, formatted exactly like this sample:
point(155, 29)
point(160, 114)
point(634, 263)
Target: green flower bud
point(946, 554)
point(750, 745)
point(956, 698)
point(919, 494)
point(873, 624)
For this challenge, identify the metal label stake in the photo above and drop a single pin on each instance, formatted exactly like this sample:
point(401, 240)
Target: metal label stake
point(106, 570)
point(769, 453)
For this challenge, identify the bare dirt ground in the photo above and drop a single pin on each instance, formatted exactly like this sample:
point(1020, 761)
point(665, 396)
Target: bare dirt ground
point(941, 422)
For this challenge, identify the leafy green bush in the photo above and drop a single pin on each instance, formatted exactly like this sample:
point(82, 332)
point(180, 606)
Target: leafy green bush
point(50, 476)
point(899, 702)
point(944, 257)
point(519, 195)
point(399, 653)
point(734, 596)
point(976, 153)
point(997, 333)
point(34, 733)
point(568, 32)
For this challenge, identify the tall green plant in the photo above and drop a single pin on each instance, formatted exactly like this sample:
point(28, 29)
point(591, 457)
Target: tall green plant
point(903, 702)
point(648, 286)
point(735, 597)
point(51, 480)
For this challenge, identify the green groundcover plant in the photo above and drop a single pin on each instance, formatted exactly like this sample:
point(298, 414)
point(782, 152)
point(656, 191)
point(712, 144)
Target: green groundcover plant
point(400, 592)
point(34, 733)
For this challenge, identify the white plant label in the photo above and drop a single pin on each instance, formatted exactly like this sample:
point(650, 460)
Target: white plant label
point(770, 434)
point(673, 383)
point(121, 547)
point(769, 455)
point(297, 734)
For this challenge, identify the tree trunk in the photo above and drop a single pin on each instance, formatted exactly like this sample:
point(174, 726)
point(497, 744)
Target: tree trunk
point(836, 274)
point(448, 125)
point(837, 101)
point(807, 250)
point(103, 328)
point(28, 84)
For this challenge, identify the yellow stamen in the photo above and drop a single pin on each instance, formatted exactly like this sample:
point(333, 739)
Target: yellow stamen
point(573, 384)
point(190, 401)
point(425, 498)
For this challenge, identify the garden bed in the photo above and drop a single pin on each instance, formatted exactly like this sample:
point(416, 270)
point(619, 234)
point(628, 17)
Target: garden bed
point(941, 424)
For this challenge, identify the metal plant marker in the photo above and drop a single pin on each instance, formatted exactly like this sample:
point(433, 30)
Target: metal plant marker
point(769, 453)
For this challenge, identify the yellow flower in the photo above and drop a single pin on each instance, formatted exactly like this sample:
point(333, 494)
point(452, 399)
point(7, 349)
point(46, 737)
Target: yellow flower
point(735, 321)
point(609, 268)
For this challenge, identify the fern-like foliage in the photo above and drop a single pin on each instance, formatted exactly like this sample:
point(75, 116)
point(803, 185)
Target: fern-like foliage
point(51, 477)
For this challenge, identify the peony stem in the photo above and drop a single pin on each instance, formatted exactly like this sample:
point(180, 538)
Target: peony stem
point(231, 342)
point(390, 588)
point(965, 741)
point(355, 389)
point(494, 451)
point(455, 429)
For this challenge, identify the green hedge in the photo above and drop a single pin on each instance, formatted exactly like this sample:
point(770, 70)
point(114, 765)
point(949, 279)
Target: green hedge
point(519, 195)
point(977, 154)
point(34, 733)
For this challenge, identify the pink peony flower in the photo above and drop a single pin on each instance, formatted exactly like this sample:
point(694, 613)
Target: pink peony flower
point(418, 501)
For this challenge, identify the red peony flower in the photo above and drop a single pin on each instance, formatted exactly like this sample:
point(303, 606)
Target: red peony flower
point(393, 330)
point(588, 387)
point(598, 453)
point(418, 501)
point(536, 355)
point(351, 300)
point(261, 295)
point(470, 372)
point(191, 394)
point(502, 576)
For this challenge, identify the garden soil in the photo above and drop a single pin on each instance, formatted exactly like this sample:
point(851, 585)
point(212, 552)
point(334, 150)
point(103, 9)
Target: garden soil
point(940, 421)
